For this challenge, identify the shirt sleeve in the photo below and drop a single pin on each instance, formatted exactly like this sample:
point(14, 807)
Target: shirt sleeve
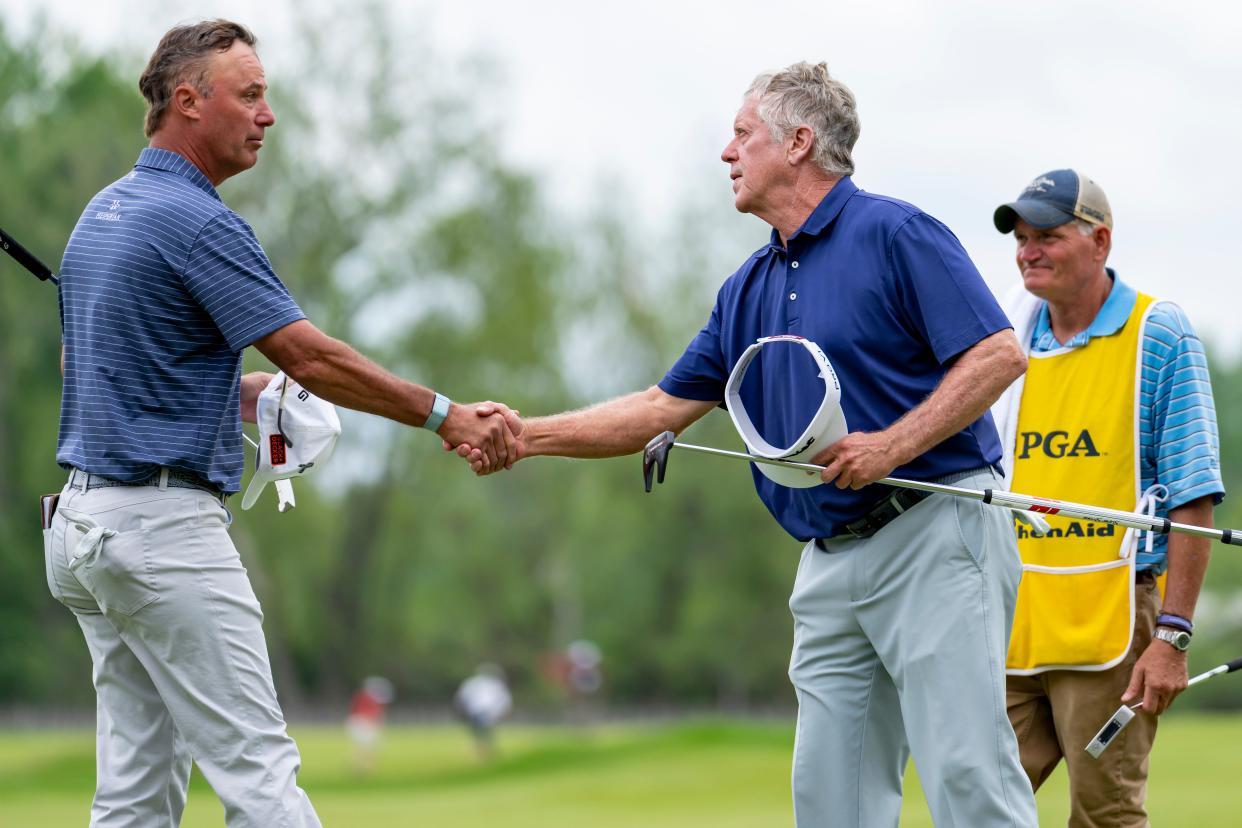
point(939, 289)
point(1178, 410)
point(228, 273)
point(699, 373)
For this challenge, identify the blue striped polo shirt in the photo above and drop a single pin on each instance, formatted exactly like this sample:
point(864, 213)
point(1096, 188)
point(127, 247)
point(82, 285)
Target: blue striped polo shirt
point(1178, 442)
point(162, 287)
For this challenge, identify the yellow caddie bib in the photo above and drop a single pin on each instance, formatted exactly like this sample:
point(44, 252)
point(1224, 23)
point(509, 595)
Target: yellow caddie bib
point(1077, 440)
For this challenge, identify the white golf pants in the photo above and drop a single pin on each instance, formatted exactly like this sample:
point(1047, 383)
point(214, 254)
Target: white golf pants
point(180, 664)
point(899, 646)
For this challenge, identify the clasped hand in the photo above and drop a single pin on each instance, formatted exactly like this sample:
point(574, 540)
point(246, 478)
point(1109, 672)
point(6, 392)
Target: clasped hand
point(486, 434)
point(857, 459)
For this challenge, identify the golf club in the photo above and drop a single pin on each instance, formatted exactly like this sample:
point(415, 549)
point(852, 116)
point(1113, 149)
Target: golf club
point(284, 489)
point(655, 463)
point(1125, 713)
point(26, 259)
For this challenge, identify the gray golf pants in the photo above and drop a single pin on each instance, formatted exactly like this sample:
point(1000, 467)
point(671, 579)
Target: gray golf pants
point(180, 663)
point(899, 646)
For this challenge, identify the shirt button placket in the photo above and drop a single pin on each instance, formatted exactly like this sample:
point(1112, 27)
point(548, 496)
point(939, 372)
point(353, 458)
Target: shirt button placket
point(790, 316)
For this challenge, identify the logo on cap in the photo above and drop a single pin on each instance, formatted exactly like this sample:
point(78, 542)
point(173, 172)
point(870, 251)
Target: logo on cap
point(1039, 185)
point(276, 446)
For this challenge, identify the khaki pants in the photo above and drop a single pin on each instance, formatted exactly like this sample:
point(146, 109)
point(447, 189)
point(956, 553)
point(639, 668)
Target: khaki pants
point(179, 659)
point(1057, 713)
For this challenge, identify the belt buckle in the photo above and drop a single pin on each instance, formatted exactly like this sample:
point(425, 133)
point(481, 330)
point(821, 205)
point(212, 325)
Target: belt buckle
point(863, 532)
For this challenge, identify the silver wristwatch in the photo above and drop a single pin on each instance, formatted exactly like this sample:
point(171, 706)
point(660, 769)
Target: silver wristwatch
point(1178, 639)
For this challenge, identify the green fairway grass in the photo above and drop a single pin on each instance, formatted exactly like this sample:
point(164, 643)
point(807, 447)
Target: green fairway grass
point(719, 773)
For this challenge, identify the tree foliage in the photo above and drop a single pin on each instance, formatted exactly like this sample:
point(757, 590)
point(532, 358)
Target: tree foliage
point(386, 204)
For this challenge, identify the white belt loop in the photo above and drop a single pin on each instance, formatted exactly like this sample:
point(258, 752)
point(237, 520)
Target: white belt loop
point(163, 478)
point(86, 480)
point(1155, 494)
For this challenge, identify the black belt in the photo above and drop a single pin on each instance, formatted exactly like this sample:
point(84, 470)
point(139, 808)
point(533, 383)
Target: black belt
point(85, 481)
point(888, 510)
point(892, 507)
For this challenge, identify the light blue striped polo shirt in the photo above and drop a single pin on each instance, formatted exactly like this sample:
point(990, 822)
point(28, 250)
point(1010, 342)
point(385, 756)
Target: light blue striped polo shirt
point(1178, 442)
point(162, 287)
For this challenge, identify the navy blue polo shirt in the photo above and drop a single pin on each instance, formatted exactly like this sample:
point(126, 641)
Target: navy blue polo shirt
point(162, 287)
point(891, 296)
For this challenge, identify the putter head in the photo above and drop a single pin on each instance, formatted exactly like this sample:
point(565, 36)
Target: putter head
point(655, 457)
point(1109, 731)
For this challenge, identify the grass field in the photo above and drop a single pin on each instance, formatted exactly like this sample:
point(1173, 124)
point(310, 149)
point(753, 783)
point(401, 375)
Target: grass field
point(719, 773)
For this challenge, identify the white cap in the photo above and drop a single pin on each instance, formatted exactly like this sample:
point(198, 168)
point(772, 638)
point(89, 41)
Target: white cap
point(296, 428)
point(826, 427)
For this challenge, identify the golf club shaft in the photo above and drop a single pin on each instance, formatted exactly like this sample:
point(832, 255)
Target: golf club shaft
point(25, 258)
point(1011, 500)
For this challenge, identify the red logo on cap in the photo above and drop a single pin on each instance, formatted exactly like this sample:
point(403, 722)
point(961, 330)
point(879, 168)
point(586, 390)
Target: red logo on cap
point(276, 444)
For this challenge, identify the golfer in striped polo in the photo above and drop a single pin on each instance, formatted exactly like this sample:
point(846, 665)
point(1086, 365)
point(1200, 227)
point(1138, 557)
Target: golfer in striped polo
point(162, 288)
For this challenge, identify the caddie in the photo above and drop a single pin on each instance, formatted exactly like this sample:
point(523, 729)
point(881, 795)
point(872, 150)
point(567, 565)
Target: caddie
point(1116, 410)
point(162, 288)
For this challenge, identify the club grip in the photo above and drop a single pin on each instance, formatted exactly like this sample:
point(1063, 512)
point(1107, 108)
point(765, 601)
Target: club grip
point(24, 257)
point(1231, 537)
point(1236, 664)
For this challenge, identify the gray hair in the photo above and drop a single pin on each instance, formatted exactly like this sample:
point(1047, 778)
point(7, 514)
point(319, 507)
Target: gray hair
point(181, 57)
point(805, 94)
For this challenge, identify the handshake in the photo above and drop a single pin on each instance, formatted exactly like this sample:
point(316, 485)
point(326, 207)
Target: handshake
point(487, 435)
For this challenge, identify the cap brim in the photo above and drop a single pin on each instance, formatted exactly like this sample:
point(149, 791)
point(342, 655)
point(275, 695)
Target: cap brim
point(1039, 214)
point(257, 484)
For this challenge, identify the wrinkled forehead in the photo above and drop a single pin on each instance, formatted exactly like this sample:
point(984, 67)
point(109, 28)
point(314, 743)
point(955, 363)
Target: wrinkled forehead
point(238, 64)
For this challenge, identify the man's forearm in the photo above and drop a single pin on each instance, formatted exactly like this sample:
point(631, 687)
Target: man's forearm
point(968, 389)
point(611, 429)
point(1188, 559)
point(332, 370)
point(344, 377)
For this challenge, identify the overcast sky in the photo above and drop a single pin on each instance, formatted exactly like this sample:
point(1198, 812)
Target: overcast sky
point(962, 103)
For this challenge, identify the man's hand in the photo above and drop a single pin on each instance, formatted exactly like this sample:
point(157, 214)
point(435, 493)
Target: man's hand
point(486, 434)
point(252, 385)
point(1159, 676)
point(858, 459)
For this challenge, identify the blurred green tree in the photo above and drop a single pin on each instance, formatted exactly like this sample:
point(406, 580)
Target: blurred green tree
point(386, 203)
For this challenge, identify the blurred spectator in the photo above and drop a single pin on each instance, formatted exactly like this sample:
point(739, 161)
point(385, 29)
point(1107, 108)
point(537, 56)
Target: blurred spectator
point(577, 671)
point(366, 721)
point(482, 701)
point(586, 675)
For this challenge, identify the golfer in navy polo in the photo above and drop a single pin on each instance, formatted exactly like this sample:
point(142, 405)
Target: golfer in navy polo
point(162, 288)
point(902, 604)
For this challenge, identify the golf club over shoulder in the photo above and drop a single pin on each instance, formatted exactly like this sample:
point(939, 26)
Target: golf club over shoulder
point(655, 464)
point(26, 259)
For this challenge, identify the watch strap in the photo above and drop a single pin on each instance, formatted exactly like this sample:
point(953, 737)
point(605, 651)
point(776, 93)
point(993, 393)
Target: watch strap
point(439, 411)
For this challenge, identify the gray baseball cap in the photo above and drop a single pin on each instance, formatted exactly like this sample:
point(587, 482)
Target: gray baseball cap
point(1054, 198)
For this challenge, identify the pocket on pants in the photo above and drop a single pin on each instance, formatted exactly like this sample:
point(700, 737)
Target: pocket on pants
point(115, 569)
point(971, 529)
point(49, 546)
